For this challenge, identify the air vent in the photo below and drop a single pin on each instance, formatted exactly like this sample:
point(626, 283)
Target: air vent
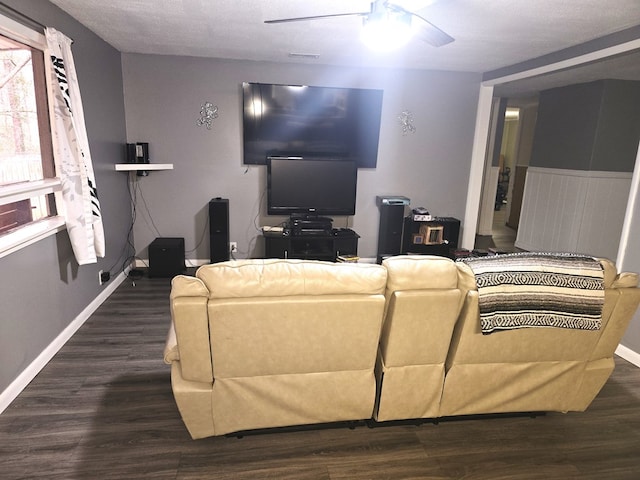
point(304, 55)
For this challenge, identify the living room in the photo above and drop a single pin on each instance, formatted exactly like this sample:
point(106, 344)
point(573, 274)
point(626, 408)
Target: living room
point(137, 97)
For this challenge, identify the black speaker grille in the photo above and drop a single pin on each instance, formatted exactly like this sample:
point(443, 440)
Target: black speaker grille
point(219, 229)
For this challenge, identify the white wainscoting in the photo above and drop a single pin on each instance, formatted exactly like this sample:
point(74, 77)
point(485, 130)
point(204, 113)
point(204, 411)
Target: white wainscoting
point(573, 211)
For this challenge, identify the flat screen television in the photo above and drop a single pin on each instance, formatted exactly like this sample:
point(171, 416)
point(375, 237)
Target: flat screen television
point(308, 122)
point(311, 187)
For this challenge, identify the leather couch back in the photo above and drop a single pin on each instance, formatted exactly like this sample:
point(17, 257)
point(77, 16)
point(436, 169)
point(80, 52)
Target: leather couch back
point(269, 317)
point(281, 278)
point(424, 298)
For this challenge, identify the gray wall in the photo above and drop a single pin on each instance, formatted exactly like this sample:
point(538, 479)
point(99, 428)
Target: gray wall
point(163, 95)
point(42, 289)
point(588, 126)
point(618, 127)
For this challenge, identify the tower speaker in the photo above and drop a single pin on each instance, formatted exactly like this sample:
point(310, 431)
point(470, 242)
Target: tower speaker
point(391, 222)
point(219, 229)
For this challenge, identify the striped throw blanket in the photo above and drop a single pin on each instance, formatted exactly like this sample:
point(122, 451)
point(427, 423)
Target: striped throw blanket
point(538, 290)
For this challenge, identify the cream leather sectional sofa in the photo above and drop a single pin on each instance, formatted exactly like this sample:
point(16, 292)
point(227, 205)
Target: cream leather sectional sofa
point(266, 343)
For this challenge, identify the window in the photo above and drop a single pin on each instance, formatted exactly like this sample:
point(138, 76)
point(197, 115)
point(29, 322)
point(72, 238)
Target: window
point(27, 172)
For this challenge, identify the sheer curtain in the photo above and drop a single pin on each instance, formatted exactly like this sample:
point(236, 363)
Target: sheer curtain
point(71, 152)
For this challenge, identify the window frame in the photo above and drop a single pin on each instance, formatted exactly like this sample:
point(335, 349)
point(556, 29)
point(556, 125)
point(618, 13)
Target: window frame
point(35, 231)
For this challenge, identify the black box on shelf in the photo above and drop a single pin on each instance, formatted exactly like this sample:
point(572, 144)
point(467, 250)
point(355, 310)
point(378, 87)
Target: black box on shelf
point(166, 257)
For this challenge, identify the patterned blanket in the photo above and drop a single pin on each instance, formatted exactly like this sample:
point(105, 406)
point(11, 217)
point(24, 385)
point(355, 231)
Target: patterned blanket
point(538, 290)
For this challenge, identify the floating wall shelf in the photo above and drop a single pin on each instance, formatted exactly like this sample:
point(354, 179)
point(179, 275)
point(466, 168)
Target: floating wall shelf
point(130, 167)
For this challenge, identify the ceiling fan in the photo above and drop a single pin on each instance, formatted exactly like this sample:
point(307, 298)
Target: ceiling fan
point(384, 12)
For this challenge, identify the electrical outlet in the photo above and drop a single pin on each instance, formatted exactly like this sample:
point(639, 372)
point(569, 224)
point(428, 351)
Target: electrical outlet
point(103, 277)
point(233, 247)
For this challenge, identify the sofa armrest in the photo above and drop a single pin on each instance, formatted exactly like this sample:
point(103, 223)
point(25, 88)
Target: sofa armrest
point(171, 352)
point(190, 322)
point(625, 280)
point(620, 307)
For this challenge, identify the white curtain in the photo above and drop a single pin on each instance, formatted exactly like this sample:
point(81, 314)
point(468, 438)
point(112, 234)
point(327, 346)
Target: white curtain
point(72, 156)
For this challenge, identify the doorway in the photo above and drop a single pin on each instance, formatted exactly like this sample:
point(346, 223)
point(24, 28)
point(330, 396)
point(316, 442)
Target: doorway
point(506, 164)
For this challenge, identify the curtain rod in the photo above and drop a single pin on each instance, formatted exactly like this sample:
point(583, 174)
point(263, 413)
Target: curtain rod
point(22, 18)
point(19, 16)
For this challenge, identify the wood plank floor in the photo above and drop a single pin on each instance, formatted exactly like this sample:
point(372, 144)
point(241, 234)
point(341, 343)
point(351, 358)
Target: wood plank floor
point(502, 236)
point(103, 409)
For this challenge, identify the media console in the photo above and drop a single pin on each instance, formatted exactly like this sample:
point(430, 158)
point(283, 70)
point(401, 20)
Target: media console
point(311, 246)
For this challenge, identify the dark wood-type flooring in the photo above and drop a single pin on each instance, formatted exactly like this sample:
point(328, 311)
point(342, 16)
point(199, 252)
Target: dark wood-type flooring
point(103, 409)
point(502, 236)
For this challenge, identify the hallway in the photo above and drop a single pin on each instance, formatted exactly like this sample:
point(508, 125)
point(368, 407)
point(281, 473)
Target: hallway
point(502, 238)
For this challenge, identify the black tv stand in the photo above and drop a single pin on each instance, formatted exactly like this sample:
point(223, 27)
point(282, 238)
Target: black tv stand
point(317, 246)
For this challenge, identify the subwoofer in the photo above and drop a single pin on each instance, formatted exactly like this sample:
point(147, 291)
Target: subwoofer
point(219, 229)
point(166, 257)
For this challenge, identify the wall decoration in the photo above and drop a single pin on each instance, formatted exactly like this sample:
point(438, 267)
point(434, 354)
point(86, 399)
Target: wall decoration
point(406, 120)
point(208, 112)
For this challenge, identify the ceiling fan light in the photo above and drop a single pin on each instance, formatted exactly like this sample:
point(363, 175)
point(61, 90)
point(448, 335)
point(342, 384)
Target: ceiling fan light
point(387, 31)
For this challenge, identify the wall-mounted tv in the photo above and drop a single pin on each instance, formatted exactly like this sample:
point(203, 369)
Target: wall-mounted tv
point(311, 122)
point(311, 187)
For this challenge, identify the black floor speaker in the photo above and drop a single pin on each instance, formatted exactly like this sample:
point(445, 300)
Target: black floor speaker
point(219, 229)
point(166, 257)
point(390, 231)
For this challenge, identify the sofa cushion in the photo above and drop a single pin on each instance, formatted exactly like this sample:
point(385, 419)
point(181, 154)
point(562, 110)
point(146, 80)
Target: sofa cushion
point(280, 278)
point(420, 272)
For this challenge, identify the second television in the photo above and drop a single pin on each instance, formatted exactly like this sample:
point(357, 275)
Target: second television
point(311, 187)
point(308, 121)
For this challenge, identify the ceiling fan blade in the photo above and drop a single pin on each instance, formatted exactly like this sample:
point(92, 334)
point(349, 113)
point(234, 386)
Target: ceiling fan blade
point(412, 5)
point(427, 31)
point(316, 17)
point(431, 34)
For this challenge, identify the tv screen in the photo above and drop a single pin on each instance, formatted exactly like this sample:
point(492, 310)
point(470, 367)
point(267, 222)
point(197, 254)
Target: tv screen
point(311, 187)
point(303, 121)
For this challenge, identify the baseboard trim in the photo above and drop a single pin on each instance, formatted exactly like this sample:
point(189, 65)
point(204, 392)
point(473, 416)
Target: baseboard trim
point(197, 262)
point(189, 262)
point(24, 378)
point(628, 354)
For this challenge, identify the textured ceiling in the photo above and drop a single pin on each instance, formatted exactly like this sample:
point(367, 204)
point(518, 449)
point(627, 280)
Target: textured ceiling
point(489, 34)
